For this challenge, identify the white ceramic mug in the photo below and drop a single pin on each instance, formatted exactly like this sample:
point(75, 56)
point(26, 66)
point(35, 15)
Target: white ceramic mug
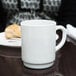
point(39, 43)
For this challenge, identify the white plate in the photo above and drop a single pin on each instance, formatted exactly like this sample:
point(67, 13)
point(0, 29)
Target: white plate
point(57, 37)
point(16, 42)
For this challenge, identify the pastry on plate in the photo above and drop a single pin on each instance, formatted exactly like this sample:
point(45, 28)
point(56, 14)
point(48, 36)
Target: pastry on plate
point(13, 31)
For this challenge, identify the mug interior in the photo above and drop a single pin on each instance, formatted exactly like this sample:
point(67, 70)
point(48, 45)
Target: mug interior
point(38, 22)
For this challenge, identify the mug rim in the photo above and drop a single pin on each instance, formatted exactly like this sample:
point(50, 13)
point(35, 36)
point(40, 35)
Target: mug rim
point(37, 22)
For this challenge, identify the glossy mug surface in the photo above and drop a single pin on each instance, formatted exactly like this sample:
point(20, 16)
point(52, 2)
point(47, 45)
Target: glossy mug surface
point(39, 43)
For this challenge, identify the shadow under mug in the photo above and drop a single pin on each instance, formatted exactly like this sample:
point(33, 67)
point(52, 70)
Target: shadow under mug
point(39, 43)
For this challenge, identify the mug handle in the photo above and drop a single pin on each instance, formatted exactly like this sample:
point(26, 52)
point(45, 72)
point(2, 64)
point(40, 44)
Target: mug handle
point(59, 27)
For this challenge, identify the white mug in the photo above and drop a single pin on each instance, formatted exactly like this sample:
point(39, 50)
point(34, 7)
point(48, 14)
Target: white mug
point(39, 43)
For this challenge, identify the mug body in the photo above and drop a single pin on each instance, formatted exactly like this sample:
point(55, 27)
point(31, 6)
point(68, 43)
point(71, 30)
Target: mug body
point(38, 43)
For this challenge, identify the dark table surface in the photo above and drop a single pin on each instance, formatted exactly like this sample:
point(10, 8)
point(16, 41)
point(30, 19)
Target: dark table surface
point(12, 65)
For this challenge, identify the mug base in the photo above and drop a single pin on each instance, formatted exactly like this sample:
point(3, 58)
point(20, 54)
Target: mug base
point(38, 66)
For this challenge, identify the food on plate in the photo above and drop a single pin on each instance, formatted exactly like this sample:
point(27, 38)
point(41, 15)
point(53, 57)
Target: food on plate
point(13, 31)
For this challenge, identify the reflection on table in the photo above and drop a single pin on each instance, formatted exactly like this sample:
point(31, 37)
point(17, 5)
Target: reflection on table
point(12, 65)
